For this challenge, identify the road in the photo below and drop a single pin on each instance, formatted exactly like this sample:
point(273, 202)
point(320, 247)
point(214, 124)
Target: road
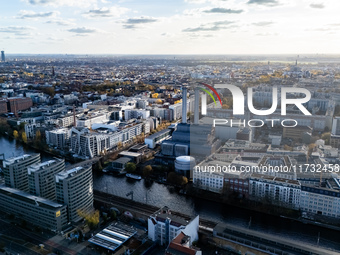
point(16, 233)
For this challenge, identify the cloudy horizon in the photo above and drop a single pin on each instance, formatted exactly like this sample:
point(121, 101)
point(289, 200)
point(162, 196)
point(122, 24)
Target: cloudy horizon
point(169, 27)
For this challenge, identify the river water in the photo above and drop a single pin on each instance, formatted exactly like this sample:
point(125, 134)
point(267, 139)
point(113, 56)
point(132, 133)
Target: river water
point(160, 195)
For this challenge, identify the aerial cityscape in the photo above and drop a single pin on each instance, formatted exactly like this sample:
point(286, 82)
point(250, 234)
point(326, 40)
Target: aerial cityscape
point(176, 127)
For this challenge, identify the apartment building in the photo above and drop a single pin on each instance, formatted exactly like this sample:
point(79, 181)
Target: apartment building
point(58, 137)
point(283, 192)
point(136, 114)
point(74, 188)
point(15, 170)
point(163, 226)
point(36, 210)
point(322, 200)
point(41, 178)
point(207, 176)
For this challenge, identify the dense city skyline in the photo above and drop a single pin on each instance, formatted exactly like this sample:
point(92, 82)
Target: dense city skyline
point(172, 27)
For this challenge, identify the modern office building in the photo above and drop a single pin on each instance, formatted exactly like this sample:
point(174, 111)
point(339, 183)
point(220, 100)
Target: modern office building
point(3, 59)
point(163, 226)
point(92, 144)
point(15, 170)
point(74, 188)
point(157, 138)
point(35, 210)
point(41, 178)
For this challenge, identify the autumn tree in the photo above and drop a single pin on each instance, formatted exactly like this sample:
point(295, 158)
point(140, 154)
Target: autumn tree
point(326, 137)
point(24, 137)
point(130, 167)
point(119, 145)
point(91, 219)
point(15, 134)
point(147, 170)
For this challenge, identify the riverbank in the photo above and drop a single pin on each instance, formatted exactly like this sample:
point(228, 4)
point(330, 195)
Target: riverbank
point(268, 209)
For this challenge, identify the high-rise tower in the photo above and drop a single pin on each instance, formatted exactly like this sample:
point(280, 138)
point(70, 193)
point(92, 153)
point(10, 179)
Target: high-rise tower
point(3, 59)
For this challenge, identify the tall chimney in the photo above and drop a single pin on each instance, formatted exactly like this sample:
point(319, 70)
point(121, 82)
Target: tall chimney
point(197, 107)
point(184, 105)
point(74, 116)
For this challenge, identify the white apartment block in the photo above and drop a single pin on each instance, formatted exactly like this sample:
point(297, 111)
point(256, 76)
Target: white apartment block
point(136, 114)
point(41, 178)
point(280, 191)
point(87, 121)
point(58, 137)
point(323, 201)
point(92, 144)
point(66, 121)
point(163, 227)
point(206, 177)
point(74, 188)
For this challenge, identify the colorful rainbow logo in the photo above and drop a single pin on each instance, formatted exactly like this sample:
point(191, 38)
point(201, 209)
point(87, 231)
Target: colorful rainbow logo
point(209, 93)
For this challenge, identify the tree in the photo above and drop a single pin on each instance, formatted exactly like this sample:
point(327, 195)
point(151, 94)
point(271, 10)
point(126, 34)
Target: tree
point(38, 135)
point(91, 219)
point(24, 137)
point(311, 148)
point(15, 134)
point(130, 167)
point(147, 170)
point(119, 145)
point(326, 137)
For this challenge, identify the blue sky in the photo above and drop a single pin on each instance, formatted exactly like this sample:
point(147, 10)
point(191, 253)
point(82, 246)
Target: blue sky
point(170, 27)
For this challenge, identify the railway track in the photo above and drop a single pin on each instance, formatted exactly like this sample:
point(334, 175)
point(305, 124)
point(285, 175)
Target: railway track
point(146, 209)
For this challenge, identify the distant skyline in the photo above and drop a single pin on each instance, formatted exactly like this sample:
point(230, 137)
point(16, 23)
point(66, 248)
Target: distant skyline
point(170, 27)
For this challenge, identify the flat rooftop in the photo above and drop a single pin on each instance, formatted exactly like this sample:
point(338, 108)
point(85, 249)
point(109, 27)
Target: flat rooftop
point(41, 166)
point(68, 173)
point(130, 154)
point(113, 236)
point(158, 134)
point(164, 213)
point(274, 179)
point(13, 160)
point(34, 200)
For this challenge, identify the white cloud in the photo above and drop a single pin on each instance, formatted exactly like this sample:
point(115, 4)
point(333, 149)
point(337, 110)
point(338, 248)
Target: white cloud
point(23, 14)
point(105, 12)
point(61, 22)
point(83, 30)
point(78, 3)
point(133, 23)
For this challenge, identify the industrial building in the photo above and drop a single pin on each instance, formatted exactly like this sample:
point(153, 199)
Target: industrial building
point(113, 237)
point(184, 165)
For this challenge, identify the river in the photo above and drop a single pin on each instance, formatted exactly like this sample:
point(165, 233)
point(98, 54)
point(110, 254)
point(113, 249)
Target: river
point(160, 195)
